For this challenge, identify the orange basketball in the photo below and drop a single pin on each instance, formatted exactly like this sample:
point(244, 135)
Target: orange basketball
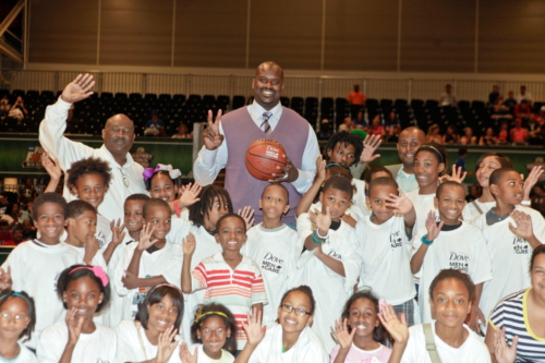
point(262, 158)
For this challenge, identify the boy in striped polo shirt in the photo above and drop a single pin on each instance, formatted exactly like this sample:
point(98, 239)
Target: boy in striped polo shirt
point(229, 277)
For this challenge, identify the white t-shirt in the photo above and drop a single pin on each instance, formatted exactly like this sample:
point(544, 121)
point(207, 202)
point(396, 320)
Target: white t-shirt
point(114, 311)
point(423, 204)
point(329, 288)
point(470, 212)
point(308, 349)
point(104, 233)
point(25, 356)
point(226, 357)
point(166, 262)
point(359, 193)
point(99, 346)
point(274, 252)
point(133, 344)
point(473, 350)
point(386, 252)
point(462, 249)
point(510, 257)
point(35, 268)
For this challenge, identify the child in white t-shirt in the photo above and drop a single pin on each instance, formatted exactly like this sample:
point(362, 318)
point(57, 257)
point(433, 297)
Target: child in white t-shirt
point(272, 245)
point(19, 307)
point(88, 179)
point(34, 266)
point(331, 262)
point(84, 290)
point(450, 244)
point(386, 248)
point(509, 247)
point(451, 295)
point(485, 165)
point(150, 261)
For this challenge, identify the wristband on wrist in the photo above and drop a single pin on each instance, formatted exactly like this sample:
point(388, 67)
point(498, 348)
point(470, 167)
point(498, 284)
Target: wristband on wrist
point(317, 239)
point(177, 208)
point(526, 202)
point(425, 241)
point(320, 236)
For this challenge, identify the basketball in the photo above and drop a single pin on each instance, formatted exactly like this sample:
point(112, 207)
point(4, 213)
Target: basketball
point(262, 158)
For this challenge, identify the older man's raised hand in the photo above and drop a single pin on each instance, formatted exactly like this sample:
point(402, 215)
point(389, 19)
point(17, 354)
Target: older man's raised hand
point(79, 89)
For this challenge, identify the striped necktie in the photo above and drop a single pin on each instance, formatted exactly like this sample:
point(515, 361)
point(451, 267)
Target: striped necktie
point(265, 124)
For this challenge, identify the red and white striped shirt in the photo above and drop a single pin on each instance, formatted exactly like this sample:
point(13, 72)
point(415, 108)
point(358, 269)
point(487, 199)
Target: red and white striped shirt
point(237, 289)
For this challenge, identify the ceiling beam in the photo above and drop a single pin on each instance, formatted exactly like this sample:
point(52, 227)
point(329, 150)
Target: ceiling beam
point(11, 52)
point(11, 16)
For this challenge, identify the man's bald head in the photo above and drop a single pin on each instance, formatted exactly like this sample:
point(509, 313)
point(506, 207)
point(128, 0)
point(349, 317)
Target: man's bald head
point(268, 84)
point(410, 139)
point(118, 135)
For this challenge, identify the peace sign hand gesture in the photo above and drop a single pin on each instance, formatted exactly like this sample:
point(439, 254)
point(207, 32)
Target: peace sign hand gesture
point(212, 136)
point(79, 89)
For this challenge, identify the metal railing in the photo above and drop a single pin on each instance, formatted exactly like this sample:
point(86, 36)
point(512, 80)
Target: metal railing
point(231, 85)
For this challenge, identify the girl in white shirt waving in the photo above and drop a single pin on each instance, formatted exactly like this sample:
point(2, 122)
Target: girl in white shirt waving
point(84, 290)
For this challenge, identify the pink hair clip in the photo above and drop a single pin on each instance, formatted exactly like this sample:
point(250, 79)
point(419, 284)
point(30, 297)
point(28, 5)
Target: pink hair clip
point(97, 271)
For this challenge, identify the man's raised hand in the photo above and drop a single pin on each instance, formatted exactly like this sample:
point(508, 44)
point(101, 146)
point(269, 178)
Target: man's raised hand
point(79, 89)
point(212, 136)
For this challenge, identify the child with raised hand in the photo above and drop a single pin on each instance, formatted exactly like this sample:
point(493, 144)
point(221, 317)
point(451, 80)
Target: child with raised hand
point(17, 320)
point(163, 182)
point(88, 180)
point(84, 290)
point(446, 339)
point(450, 243)
point(133, 224)
point(485, 165)
point(44, 257)
point(150, 261)
point(228, 277)
point(272, 244)
point(430, 162)
point(509, 244)
point(385, 237)
point(81, 228)
point(214, 202)
point(359, 333)
point(292, 340)
point(213, 336)
point(515, 329)
point(152, 336)
point(331, 262)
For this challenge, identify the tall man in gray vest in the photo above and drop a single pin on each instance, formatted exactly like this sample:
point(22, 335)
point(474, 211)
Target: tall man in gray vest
point(227, 138)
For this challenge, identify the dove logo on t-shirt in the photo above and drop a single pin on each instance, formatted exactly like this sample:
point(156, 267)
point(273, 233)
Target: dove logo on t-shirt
point(395, 240)
point(520, 246)
point(459, 261)
point(272, 263)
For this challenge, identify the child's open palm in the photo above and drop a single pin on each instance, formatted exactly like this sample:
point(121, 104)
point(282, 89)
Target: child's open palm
point(503, 352)
point(432, 227)
point(166, 345)
point(323, 221)
point(190, 195)
point(253, 329)
point(247, 213)
point(118, 233)
point(400, 204)
point(398, 329)
point(524, 227)
point(531, 180)
point(5, 278)
point(344, 338)
point(51, 165)
point(320, 168)
point(186, 356)
point(145, 237)
point(189, 244)
point(370, 145)
point(74, 325)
